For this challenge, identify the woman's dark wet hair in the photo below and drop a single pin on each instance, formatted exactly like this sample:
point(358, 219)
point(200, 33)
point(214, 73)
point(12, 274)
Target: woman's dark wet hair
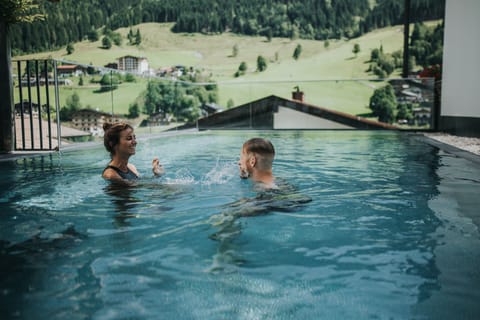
point(111, 135)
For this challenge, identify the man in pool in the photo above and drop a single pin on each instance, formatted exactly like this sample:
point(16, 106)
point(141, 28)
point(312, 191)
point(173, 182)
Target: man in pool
point(256, 159)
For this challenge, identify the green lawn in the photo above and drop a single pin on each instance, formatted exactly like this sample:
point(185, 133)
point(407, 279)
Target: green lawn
point(122, 97)
point(331, 77)
point(90, 97)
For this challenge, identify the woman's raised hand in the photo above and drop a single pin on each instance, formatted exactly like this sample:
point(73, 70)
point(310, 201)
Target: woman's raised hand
point(157, 168)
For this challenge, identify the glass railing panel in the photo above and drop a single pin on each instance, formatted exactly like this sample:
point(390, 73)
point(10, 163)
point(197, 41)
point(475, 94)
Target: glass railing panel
point(87, 96)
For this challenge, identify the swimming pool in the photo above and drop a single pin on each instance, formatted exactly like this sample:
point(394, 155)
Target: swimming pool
point(391, 232)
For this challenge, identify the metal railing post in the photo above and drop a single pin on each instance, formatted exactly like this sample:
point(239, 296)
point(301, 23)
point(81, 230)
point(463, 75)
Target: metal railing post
point(20, 92)
point(30, 105)
point(47, 97)
point(57, 105)
point(37, 79)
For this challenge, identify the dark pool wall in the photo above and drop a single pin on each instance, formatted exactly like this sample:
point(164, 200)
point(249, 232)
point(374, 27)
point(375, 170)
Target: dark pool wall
point(460, 126)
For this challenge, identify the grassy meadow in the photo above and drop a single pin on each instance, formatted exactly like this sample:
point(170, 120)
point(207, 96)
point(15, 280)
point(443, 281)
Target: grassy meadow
point(331, 77)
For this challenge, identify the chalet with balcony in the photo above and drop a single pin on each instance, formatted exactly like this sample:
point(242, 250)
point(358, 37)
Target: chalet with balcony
point(70, 70)
point(92, 121)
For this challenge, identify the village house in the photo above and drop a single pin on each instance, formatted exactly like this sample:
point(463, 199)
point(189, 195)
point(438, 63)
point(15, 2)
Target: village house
point(92, 121)
point(51, 81)
point(70, 70)
point(157, 119)
point(138, 65)
point(422, 116)
point(27, 108)
point(210, 108)
point(112, 65)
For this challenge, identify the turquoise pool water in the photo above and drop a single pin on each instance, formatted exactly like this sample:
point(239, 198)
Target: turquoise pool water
point(391, 232)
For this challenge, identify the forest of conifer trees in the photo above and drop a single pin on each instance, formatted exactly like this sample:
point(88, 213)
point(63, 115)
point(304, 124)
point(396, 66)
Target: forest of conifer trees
point(71, 21)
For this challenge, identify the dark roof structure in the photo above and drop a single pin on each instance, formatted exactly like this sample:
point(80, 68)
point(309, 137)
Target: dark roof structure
point(274, 112)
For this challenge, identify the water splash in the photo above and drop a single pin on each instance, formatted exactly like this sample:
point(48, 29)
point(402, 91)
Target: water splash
point(182, 176)
point(222, 173)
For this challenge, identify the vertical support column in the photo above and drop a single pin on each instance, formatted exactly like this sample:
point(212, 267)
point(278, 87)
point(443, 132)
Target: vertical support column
point(6, 91)
point(111, 92)
point(437, 94)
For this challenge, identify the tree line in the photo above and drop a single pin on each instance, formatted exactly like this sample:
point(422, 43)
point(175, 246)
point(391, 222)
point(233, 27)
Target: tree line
point(72, 21)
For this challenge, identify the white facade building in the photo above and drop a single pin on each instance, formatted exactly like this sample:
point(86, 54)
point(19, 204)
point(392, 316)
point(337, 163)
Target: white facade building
point(138, 65)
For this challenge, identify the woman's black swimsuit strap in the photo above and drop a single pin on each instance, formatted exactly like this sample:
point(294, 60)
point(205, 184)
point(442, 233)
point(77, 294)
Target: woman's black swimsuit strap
point(129, 175)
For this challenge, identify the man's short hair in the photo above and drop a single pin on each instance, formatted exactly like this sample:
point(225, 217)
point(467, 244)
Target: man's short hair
point(259, 145)
point(264, 150)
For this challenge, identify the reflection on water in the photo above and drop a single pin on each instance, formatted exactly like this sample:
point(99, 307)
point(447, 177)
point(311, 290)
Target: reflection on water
point(228, 255)
point(285, 198)
point(129, 200)
point(124, 201)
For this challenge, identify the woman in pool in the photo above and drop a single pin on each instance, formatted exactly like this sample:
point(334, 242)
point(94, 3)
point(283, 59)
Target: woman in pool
point(119, 139)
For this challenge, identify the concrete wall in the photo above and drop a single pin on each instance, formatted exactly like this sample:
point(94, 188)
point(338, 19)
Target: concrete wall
point(460, 99)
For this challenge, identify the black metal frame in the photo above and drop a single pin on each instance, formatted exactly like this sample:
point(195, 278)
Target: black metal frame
point(34, 83)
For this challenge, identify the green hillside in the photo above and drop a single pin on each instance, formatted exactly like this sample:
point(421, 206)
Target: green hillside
point(331, 77)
